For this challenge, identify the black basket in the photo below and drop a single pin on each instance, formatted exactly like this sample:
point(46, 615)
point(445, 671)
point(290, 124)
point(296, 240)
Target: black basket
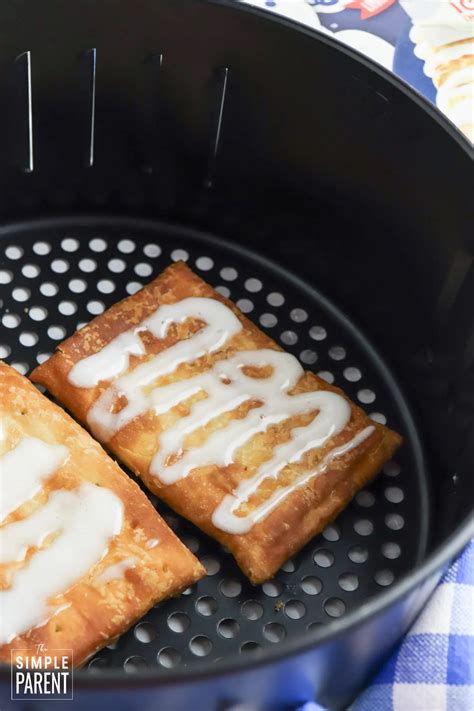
point(293, 175)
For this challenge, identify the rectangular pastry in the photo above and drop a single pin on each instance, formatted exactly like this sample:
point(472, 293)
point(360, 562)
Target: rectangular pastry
point(83, 553)
point(216, 419)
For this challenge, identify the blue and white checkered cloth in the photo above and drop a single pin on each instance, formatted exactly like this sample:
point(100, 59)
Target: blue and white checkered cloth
point(433, 667)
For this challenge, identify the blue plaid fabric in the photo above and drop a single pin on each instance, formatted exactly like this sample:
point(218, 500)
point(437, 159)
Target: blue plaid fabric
point(433, 668)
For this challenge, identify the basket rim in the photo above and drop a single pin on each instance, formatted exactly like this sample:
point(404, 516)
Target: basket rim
point(435, 562)
point(432, 566)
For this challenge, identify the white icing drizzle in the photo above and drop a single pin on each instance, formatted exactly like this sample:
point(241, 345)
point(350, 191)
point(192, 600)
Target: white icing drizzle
point(224, 516)
point(109, 362)
point(152, 543)
point(277, 406)
point(226, 386)
point(24, 469)
point(221, 325)
point(83, 521)
point(436, 57)
point(456, 94)
point(116, 571)
point(113, 359)
point(440, 45)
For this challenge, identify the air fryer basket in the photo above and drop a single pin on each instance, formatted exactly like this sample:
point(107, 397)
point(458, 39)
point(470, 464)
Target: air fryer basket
point(285, 170)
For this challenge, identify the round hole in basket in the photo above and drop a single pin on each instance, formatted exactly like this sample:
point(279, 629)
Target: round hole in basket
point(374, 542)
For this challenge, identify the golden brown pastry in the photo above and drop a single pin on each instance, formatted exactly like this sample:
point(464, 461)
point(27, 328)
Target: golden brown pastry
point(83, 553)
point(443, 35)
point(216, 419)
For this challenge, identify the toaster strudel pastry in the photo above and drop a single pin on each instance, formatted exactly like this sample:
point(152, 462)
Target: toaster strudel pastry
point(83, 553)
point(216, 419)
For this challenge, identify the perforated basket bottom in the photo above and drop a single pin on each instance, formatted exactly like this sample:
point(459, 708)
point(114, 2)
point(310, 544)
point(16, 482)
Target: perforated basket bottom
point(56, 275)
